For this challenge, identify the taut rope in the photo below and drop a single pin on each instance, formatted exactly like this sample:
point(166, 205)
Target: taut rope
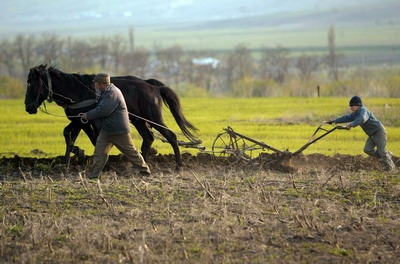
point(84, 121)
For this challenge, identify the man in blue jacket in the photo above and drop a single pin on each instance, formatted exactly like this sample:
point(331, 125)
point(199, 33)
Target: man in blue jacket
point(112, 118)
point(376, 142)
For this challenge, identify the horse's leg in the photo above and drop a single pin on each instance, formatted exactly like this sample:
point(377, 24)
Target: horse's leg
point(147, 137)
point(172, 139)
point(71, 132)
point(91, 132)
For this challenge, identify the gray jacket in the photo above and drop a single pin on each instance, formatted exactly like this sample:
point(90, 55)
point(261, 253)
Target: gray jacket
point(111, 114)
point(364, 118)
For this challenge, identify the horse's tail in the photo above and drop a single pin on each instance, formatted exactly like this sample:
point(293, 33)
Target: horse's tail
point(171, 100)
point(154, 82)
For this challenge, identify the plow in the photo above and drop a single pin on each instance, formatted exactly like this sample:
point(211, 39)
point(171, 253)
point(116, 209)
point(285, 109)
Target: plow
point(237, 147)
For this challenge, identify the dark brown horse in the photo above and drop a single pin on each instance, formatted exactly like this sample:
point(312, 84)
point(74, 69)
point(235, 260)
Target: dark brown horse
point(76, 94)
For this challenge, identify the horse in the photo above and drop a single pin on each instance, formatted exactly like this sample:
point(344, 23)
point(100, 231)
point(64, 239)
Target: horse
point(76, 94)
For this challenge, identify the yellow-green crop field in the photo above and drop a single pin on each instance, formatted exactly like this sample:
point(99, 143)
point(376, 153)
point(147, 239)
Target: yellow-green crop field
point(283, 123)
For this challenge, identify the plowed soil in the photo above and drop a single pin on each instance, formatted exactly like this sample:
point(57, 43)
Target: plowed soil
point(274, 209)
point(202, 162)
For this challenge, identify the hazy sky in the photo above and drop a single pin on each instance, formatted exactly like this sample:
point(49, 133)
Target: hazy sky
point(153, 10)
point(33, 16)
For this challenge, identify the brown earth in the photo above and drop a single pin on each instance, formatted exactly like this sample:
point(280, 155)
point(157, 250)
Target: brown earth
point(276, 209)
point(203, 161)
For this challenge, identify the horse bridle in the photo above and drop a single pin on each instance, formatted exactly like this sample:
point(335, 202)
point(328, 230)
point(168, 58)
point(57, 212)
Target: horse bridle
point(73, 105)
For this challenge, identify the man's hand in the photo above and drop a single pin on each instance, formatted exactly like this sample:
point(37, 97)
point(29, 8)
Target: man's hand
point(83, 116)
point(348, 126)
point(330, 122)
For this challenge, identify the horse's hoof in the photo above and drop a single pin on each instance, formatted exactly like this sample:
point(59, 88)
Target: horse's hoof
point(78, 152)
point(153, 152)
point(178, 168)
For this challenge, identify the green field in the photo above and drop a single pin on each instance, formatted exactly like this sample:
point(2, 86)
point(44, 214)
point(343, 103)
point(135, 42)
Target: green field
point(264, 37)
point(308, 209)
point(283, 123)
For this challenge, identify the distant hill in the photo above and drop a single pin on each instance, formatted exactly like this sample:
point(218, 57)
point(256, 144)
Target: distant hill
point(36, 17)
point(353, 16)
point(366, 31)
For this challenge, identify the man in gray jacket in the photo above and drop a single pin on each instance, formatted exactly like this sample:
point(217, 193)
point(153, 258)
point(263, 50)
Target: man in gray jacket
point(376, 132)
point(111, 117)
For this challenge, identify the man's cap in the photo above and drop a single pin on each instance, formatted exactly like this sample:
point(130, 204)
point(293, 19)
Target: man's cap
point(102, 78)
point(355, 101)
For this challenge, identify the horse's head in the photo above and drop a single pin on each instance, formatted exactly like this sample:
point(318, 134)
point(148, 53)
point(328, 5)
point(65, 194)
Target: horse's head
point(36, 91)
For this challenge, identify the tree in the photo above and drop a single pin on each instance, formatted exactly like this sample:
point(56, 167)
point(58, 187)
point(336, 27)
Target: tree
point(274, 64)
point(25, 47)
point(117, 51)
point(131, 40)
point(332, 58)
point(239, 65)
point(11, 87)
point(8, 56)
point(102, 51)
point(136, 63)
point(243, 61)
point(79, 55)
point(169, 60)
point(49, 47)
point(306, 65)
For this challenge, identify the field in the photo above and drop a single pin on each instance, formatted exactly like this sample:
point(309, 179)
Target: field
point(331, 204)
point(285, 123)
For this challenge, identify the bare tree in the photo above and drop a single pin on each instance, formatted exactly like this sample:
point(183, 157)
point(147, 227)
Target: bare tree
point(201, 69)
point(131, 40)
point(229, 67)
point(25, 50)
point(8, 56)
point(306, 65)
point(244, 63)
point(238, 65)
point(274, 64)
point(203, 73)
point(136, 63)
point(102, 51)
point(79, 54)
point(332, 58)
point(169, 60)
point(49, 47)
point(117, 51)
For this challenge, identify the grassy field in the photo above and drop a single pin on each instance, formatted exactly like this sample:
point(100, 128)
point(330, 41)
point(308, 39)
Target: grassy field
point(265, 37)
point(323, 209)
point(284, 123)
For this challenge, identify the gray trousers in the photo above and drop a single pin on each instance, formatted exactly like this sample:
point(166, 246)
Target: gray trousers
point(125, 144)
point(376, 146)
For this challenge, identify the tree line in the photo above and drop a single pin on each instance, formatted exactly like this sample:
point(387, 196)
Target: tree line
point(239, 72)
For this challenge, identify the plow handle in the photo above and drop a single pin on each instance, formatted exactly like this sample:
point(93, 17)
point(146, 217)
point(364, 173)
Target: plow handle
point(313, 140)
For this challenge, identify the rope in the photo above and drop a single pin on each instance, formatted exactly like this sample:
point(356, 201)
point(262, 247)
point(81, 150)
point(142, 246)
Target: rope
point(84, 121)
point(154, 123)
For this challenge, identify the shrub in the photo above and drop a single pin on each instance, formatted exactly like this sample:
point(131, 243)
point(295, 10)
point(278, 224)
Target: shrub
point(11, 88)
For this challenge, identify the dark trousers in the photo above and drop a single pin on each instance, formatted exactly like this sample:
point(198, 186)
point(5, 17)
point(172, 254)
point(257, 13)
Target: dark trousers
point(125, 144)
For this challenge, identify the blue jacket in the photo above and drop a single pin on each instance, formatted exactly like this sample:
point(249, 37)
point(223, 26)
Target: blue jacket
point(111, 114)
point(363, 118)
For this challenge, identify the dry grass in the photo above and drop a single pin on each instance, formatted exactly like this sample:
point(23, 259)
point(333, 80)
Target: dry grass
point(208, 213)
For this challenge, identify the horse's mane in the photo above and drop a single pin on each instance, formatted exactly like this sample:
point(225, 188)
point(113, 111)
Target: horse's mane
point(74, 85)
point(72, 79)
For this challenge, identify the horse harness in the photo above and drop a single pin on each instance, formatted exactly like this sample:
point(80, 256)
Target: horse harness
point(82, 104)
point(74, 105)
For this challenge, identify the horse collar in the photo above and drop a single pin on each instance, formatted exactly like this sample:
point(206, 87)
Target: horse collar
point(50, 87)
